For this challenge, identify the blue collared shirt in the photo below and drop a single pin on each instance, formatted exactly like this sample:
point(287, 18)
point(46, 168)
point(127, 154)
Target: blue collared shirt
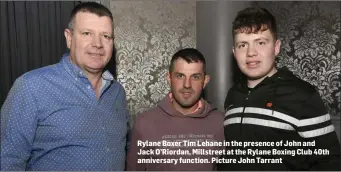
point(52, 120)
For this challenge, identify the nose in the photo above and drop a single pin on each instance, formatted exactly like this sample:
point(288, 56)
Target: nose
point(251, 51)
point(97, 41)
point(187, 83)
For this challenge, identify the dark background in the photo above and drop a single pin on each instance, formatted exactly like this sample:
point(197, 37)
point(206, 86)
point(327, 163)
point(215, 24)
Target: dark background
point(32, 36)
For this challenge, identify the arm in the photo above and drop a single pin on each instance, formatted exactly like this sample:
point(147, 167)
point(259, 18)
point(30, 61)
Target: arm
point(127, 114)
point(18, 126)
point(132, 157)
point(316, 125)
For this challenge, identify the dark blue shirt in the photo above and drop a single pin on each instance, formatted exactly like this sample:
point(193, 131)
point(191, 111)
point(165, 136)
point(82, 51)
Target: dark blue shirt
point(52, 120)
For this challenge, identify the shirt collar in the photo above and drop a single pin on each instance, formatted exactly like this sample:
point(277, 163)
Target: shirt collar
point(76, 71)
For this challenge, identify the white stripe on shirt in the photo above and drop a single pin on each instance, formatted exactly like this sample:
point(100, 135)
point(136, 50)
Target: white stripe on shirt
point(317, 132)
point(282, 116)
point(262, 122)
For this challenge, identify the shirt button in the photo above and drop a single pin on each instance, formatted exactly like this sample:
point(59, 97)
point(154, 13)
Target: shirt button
point(76, 79)
point(108, 149)
point(88, 87)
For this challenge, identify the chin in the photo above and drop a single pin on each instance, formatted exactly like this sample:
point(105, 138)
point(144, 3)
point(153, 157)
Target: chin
point(93, 69)
point(96, 65)
point(253, 76)
point(187, 105)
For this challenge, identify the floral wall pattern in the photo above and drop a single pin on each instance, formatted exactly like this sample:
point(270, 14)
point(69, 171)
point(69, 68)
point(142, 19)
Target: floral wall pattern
point(310, 36)
point(147, 34)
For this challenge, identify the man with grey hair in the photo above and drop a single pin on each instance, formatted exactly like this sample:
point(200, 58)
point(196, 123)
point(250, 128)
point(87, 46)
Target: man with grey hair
point(71, 115)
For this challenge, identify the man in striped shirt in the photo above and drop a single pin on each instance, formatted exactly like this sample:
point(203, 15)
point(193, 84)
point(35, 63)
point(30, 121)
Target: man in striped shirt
point(273, 120)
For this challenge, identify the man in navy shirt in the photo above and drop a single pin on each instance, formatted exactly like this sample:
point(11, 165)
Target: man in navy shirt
point(71, 115)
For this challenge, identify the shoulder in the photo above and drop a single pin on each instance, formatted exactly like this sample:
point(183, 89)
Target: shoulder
point(232, 95)
point(36, 76)
point(26, 88)
point(297, 86)
point(117, 85)
point(288, 78)
point(117, 90)
point(148, 115)
point(145, 119)
point(218, 114)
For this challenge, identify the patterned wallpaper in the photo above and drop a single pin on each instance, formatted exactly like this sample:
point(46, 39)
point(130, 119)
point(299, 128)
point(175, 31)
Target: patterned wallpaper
point(147, 34)
point(310, 35)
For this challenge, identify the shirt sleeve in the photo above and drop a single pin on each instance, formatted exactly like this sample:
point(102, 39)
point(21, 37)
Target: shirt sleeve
point(127, 114)
point(18, 126)
point(316, 126)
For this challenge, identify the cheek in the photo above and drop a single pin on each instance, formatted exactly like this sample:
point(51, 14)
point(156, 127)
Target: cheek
point(108, 49)
point(241, 63)
point(270, 57)
point(176, 84)
point(198, 86)
point(240, 57)
point(80, 45)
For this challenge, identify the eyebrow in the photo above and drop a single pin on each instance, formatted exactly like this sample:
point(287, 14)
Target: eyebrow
point(258, 39)
point(262, 38)
point(241, 42)
point(197, 74)
point(91, 30)
point(191, 75)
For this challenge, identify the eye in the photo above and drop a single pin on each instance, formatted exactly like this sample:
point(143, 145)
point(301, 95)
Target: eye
point(241, 46)
point(261, 43)
point(196, 77)
point(86, 33)
point(107, 37)
point(179, 75)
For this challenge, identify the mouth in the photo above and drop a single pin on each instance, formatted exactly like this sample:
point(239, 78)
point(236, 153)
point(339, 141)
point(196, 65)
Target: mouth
point(96, 55)
point(186, 94)
point(253, 64)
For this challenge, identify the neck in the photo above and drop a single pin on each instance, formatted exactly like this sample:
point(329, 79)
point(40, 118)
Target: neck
point(251, 83)
point(185, 111)
point(96, 82)
point(94, 78)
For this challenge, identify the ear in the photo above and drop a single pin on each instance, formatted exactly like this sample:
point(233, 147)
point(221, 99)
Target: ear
point(207, 80)
point(277, 47)
point(168, 77)
point(233, 49)
point(68, 37)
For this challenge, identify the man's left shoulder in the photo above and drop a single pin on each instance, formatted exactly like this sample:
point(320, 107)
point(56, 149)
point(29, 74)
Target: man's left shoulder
point(297, 85)
point(217, 112)
point(214, 111)
point(116, 85)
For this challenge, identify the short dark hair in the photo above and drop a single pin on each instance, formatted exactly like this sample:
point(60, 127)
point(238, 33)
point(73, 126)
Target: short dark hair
point(253, 20)
point(190, 55)
point(91, 7)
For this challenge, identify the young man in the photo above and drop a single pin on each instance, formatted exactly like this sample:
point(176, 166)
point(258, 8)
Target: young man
point(71, 115)
point(176, 131)
point(279, 120)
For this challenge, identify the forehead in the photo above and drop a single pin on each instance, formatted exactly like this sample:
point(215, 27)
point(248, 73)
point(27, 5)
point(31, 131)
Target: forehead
point(241, 37)
point(182, 66)
point(91, 20)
